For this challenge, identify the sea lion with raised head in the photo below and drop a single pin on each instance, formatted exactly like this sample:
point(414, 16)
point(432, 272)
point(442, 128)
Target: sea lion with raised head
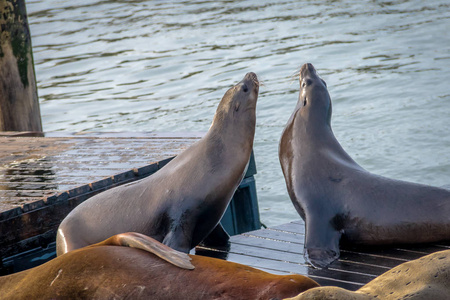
point(338, 198)
point(184, 201)
point(105, 271)
point(425, 278)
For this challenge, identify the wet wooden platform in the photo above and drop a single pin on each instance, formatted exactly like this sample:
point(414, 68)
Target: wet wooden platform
point(280, 249)
point(35, 168)
point(43, 178)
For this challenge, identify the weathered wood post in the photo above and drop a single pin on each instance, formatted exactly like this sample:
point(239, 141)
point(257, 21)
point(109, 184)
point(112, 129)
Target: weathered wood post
point(19, 104)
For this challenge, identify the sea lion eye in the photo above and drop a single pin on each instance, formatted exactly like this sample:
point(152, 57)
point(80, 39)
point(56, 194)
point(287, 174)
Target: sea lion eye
point(245, 88)
point(306, 82)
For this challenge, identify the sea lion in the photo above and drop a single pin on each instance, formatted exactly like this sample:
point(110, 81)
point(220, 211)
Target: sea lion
point(338, 198)
point(184, 201)
point(103, 271)
point(421, 279)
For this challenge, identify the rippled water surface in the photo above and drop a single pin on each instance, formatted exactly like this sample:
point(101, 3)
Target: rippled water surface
point(164, 65)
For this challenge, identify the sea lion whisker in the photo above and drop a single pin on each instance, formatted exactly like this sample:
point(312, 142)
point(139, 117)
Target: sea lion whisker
point(258, 82)
point(293, 78)
point(296, 73)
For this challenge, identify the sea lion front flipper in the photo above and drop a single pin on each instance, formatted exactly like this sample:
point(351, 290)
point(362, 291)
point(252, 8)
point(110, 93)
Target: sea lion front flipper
point(321, 242)
point(218, 238)
point(146, 243)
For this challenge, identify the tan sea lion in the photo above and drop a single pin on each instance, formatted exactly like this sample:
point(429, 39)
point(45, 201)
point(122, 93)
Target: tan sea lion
point(425, 278)
point(184, 201)
point(338, 198)
point(105, 271)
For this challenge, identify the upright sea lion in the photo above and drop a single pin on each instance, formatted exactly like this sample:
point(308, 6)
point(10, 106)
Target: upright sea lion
point(184, 201)
point(338, 198)
point(425, 278)
point(105, 271)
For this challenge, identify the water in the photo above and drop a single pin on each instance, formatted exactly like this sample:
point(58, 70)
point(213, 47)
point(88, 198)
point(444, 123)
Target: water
point(164, 65)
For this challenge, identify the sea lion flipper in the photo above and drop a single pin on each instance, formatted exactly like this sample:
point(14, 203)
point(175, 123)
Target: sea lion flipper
point(321, 243)
point(320, 258)
point(146, 243)
point(218, 238)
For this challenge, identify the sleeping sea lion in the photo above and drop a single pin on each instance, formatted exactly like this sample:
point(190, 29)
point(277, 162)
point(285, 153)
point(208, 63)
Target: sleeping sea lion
point(108, 270)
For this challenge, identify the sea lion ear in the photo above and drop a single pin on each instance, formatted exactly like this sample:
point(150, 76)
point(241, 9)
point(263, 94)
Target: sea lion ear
point(236, 106)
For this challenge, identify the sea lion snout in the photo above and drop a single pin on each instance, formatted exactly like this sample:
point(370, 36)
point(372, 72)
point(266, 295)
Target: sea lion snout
point(250, 82)
point(309, 74)
point(251, 76)
point(308, 70)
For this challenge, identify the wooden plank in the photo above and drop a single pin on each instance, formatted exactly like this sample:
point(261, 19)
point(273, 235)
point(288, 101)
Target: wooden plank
point(254, 240)
point(277, 266)
point(290, 254)
point(349, 266)
point(280, 250)
point(293, 227)
point(385, 262)
point(279, 235)
point(43, 178)
point(56, 163)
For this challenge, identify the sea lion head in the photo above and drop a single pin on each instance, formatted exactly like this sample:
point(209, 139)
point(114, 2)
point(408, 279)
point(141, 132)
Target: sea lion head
point(314, 99)
point(238, 105)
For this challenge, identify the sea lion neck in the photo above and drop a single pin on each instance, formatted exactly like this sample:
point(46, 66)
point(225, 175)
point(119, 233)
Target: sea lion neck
point(315, 128)
point(236, 128)
point(236, 113)
point(311, 119)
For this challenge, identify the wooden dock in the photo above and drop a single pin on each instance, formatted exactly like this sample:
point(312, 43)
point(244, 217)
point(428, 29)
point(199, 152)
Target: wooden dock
point(30, 165)
point(42, 179)
point(279, 250)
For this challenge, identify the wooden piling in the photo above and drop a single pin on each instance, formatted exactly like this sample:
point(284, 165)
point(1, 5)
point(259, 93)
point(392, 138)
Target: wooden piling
point(19, 104)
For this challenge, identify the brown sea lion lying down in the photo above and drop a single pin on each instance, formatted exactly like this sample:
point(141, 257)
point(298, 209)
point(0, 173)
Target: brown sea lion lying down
point(106, 270)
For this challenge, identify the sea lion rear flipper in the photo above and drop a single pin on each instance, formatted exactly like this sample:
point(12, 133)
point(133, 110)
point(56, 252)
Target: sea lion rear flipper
point(146, 243)
point(321, 243)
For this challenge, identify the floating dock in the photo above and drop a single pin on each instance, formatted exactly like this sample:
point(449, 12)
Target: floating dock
point(279, 250)
point(43, 178)
point(35, 168)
